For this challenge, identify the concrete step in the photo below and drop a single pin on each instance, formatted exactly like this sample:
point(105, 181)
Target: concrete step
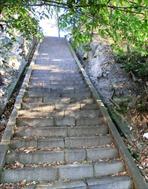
point(57, 87)
point(58, 106)
point(43, 93)
point(57, 93)
point(60, 131)
point(51, 75)
point(57, 142)
point(63, 185)
point(73, 96)
point(116, 182)
point(77, 142)
point(57, 81)
point(63, 172)
point(49, 90)
point(57, 77)
point(67, 142)
point(49, 112)
point(60, 121)
point(65, 156)
point(56, 99)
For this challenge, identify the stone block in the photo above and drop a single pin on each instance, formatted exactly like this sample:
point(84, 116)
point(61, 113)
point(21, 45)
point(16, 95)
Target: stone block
point(51, 143)
point(108, 168)
point(73, 172)
point(101, 153)
point(29, 174)
point(116, 182)
point(75, 155)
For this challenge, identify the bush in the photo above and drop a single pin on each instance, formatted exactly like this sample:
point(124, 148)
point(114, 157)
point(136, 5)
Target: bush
point(135, 63)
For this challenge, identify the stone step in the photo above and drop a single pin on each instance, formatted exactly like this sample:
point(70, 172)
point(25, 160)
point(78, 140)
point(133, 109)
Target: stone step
point(53, 90)
point(56, 99)
point(65, 156)
point(63, 185)
point(67, 142)
point(72, 99)
point(115, 182)
point(58, 106)
point(57, 93)
point(77, 142)
point(60, 131)
point(56, 142)
point(60, 121)
point(51, 112)
point(58, 81)
point(58, 85)
point(36, 73)
point(63, 172)
point(49, 75)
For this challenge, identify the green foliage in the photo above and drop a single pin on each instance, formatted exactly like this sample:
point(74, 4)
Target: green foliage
point(17, 17)
point(124, 23)
point(136, 63)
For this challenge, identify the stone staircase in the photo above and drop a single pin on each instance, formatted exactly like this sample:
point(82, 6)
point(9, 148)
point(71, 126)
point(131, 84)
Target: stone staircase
point(61, 139)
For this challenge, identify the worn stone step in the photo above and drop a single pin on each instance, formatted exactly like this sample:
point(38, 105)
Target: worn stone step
point(88, 130)
point(58, 93)
point(49, 90)
point(65, 156)
point(80, 171)
point(60, 121)
point(116, 182)
point(78, 106)
point(73, 97)
point(49, 112)
point(70, 99)
point(57, 81)
point(59, 85)
point(35, 122)
point(56, 99)
point(92, 106)
point(83, 113)
point(37, 107)
point(75, 142)
point(37, 157)
point(41, 113)
point(90, 121)
point(52, 76)
point(63, 185)
point(68, 142)
point(58, 78)
point(60, 131)
point(52, 100)
point(59, 106)
point(63, 172)
point(29, 174)
point(44, 122)
point(45, 74)
point(56, 142)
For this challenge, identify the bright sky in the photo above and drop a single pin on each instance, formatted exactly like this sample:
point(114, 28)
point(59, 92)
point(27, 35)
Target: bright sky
point(50, 27)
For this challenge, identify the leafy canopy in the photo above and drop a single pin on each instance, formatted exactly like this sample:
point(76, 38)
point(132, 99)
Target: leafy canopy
point(123, 22)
